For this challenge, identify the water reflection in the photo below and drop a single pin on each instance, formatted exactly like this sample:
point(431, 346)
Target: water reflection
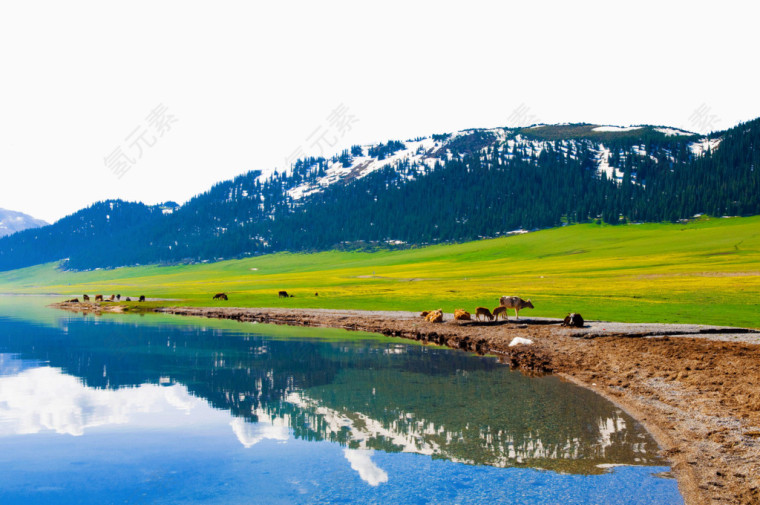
point(361, 462)
point(125, 409)
point(250, 434)
point(44, 399)
point(373, 395)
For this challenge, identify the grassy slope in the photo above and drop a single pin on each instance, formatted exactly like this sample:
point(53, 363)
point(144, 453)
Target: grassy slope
point(707, 272)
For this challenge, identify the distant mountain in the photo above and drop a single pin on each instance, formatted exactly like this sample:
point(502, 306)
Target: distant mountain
point(12, 221)
point(446, 187)
point(114, 229)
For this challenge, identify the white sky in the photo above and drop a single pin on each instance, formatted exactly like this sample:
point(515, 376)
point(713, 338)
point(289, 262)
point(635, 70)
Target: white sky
point(249, 82)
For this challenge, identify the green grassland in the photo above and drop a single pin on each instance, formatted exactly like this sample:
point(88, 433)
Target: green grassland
point(706, 271)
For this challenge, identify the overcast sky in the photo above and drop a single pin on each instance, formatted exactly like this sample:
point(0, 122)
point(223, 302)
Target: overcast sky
point(157, 101)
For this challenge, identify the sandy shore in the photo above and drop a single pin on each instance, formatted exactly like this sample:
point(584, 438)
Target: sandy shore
point(695, 388)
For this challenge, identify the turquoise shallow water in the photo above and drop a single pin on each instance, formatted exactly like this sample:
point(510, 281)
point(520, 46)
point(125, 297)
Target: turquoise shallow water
point(159, 409)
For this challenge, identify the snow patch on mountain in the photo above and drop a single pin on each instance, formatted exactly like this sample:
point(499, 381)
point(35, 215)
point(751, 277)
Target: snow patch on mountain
point(673, 132)
point(603, 158)
point(616, 128)
point(418, 153)
point(699, 147)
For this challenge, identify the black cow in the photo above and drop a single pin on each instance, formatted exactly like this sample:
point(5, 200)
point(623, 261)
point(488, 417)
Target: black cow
point(574, 319)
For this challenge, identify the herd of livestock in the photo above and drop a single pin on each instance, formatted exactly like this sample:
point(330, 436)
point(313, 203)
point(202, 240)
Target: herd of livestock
point(99, 298)
point(434, 316)
point(505, 302)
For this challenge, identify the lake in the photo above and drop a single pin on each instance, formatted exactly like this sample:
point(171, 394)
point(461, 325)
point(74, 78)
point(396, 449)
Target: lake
point(123, 409)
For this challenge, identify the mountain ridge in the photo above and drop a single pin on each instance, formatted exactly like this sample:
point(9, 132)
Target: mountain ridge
point(463, 185)
point(12, 221)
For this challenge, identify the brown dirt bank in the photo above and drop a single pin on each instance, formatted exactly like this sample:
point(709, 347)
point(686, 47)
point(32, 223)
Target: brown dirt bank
point(697, 389)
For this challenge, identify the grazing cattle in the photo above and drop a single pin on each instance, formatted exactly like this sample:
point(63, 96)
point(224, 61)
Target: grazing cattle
point(574, 319)
point(316, 294)
point(461, 315)
point(482, 311)
point(98, 298)
point(118, 298)
point(85, 298)
point(73, 300)
point(129, 299)
point(111, 298)
point(515, 302)
point(142, 298)
point(220, 296)
point(283, 294)
point(435, 316)
point(500, 311)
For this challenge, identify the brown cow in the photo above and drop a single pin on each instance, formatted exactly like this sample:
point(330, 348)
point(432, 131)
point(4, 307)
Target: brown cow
point(435, 316)
point(461, 315)
point(482, 311)
point(112, 298)
point(500, 311)
point(424, 313)
point(98, 298)
point(85, 298)
point(220, 296)
point(515, 302)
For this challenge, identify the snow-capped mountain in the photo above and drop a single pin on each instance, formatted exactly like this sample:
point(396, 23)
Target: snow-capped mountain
point(12, 221)
point(416, 157)
point(458, 186)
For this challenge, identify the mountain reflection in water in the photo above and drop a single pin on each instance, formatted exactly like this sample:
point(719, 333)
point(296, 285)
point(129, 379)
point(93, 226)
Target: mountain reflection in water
point(365, 393)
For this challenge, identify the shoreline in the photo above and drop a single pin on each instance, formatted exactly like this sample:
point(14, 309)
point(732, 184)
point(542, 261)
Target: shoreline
point(695, 388)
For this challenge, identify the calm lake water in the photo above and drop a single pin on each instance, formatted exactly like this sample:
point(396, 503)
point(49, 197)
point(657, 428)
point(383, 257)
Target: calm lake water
point(129, 409)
